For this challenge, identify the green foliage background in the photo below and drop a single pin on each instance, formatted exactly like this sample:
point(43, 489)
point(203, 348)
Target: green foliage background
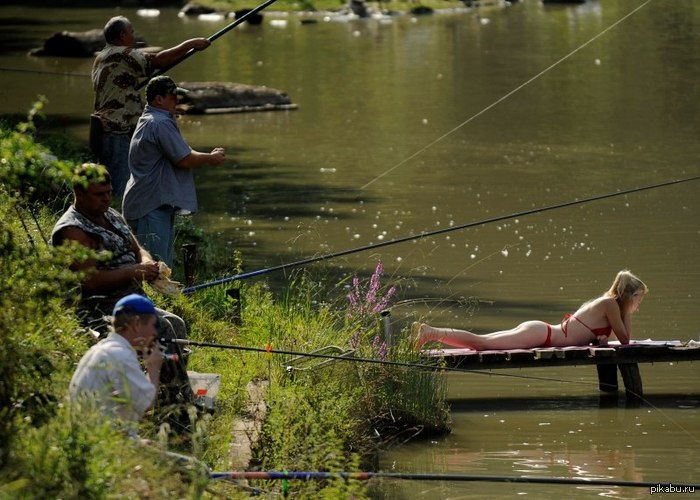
point(334, 418)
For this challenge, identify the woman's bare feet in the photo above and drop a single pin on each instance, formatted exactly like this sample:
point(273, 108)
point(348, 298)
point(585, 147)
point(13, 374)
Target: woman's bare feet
point(418, 335)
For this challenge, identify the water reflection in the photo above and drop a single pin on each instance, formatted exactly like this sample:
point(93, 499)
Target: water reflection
point(520, 424)
point(403, 127)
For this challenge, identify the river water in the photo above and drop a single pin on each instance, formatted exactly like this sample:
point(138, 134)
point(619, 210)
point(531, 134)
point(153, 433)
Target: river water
point(408, 125)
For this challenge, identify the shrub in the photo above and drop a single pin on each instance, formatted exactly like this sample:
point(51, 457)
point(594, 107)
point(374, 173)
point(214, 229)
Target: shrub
point(29, 172)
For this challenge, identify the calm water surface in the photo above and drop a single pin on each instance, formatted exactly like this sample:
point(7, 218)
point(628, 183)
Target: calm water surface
point(419, 124)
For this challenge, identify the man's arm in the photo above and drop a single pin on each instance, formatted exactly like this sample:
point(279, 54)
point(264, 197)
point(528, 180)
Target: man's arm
point(101, 280)
point(172, 55)
point(197, 159)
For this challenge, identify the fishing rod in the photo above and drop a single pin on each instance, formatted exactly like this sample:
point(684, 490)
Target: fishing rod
point(425, 234)
point(213, 37)
point(348, 356)
point(269, 350)
point(364, 476)
point(26, 229)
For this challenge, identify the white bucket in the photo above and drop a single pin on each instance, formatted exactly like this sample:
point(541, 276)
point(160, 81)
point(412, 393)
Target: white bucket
point(205, 387)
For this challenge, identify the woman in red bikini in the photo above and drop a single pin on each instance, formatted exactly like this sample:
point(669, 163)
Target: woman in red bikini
point(592, 323)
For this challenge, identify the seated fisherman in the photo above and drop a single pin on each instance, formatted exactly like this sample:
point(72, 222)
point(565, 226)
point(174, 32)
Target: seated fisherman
point(109, 376)
point(92, 223)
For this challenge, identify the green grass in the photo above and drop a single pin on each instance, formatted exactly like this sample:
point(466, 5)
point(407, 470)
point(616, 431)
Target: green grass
point(330, 418)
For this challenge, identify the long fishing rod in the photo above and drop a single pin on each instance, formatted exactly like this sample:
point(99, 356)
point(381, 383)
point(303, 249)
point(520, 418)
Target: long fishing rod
point(425, 234)
point(363, 476)
point(213, 37)
point(269, 350)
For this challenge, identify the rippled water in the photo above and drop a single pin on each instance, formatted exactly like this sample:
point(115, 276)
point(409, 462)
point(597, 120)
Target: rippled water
point(409, 125)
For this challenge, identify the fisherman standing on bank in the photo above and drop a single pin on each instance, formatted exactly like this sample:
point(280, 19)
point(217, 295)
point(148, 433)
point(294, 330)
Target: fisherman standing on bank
point(116, 73)
point(161, 162)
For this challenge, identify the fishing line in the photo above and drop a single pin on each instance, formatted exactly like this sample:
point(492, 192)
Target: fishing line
point(268, 350)
point(213, 37)
point(664, 415)
point(38, 227)
point(455, 369)
point(506, 96)
point(425, 234)
point(43, 72)
point(483, 259)
point(363, 476)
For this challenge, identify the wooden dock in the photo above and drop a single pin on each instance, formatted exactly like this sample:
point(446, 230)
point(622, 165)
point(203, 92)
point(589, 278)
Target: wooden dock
point(608, 359)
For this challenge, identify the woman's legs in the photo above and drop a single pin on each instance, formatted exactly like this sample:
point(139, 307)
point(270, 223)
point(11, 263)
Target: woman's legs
point(524, 336)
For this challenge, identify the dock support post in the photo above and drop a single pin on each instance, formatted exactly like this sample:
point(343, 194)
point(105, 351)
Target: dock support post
point(607, 379)
point(189, 260)
point(632, 379)
point(235, 295)
point(386, 319)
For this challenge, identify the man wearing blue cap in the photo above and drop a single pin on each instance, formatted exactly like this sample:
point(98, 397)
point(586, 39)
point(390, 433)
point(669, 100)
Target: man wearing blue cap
point(110, 376)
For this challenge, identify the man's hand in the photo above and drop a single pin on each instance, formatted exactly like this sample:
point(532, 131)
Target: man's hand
point(146, 271)
point(163, 283)
point(217, 156)
point(199, 43)
point(153, 360)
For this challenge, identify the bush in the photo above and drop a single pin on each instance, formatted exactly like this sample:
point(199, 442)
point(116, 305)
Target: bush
point(39, 339)
point(330, 417)
point(29, 172)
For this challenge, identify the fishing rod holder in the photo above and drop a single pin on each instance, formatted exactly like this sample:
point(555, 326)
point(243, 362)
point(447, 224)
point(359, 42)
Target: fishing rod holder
point(235, 295)
point(386, 321)
point(189, 262)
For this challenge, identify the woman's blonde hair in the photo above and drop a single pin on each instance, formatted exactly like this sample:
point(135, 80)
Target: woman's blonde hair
point(625, 286)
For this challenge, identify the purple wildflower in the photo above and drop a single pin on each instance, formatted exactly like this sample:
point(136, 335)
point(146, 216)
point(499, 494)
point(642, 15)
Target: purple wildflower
point(382, 351)
point(374, 285)
point(381, 305)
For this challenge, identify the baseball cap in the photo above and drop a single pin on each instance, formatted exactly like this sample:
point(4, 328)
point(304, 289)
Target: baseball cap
point(134, 304)
point(162, 85)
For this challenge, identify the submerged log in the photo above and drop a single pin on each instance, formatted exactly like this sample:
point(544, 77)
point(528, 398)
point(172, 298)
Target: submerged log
point(229, 97)
point(72, 44)
point(75, 44)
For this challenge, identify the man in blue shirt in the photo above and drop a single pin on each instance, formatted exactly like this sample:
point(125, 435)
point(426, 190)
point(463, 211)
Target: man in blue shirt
point(161, 184)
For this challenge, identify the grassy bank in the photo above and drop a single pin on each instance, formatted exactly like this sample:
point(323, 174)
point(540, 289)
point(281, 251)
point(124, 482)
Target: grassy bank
point(334, 418)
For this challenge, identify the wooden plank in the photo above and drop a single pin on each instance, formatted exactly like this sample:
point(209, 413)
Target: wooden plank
point(575, 353)
point(493, 356)
point(643, 352)
point(602, 352)
point(520, 355)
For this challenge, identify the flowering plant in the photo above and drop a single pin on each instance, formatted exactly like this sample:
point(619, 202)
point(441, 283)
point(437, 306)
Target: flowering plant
point(364, 308)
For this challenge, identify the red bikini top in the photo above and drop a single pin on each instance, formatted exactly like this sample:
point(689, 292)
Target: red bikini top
point(598, 332)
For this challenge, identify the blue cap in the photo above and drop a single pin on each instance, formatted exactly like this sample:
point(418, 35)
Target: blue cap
point(134, 304)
